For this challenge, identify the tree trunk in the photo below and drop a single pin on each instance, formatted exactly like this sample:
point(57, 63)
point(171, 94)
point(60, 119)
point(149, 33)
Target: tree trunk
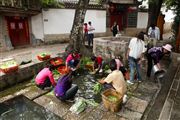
point(153, 11)
point(76, 36)
point(178, 41)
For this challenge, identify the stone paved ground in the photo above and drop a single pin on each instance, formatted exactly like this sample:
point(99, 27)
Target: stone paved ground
point(133, 109)
point(139, 97)
point(30, 53)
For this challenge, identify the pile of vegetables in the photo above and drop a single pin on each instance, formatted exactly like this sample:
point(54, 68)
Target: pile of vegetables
point(56, 61)
point(81, 104)
point(56, 74)
point(85, 61)
point(43, 54)
point(78, 106)
point(8, 64)
point(112, 98)
point(97, 88)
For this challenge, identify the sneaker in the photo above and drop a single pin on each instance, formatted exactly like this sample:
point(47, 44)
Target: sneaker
point(139, 81)
point(128, 81)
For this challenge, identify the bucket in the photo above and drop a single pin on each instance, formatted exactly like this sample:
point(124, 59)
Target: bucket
point(157, 72)
point(155, 69)
point(160, 74)
point(113, 106)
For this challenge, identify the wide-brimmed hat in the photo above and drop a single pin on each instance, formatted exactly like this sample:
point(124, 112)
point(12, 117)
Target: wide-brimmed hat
point(168, 47)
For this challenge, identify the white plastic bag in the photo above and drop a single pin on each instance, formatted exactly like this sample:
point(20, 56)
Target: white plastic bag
point(78, 106)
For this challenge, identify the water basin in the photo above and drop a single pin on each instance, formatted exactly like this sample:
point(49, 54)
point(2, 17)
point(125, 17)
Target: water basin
point(21, 108)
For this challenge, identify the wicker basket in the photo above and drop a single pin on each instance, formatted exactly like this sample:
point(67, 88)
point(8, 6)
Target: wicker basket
point(43, 58)
point(110, 105)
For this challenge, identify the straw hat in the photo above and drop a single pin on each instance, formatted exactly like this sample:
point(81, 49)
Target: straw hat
point(168, 47)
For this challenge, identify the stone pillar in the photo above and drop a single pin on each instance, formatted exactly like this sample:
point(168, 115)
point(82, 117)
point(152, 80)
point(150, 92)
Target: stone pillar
point(1, 34)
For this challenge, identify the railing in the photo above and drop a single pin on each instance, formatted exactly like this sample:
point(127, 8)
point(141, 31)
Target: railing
point(28, 4)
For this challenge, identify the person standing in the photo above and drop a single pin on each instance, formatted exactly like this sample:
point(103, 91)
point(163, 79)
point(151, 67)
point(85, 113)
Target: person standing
point(134, 56)
point(85, 27)
point(154, 35)
point(115, 28)
point(90, 33)
point(155, 54)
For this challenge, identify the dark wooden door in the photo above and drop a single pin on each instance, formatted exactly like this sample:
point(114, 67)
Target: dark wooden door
point(118, 18)
point(18, 30)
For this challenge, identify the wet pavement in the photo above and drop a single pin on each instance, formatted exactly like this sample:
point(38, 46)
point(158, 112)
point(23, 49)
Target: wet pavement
point(146, 100)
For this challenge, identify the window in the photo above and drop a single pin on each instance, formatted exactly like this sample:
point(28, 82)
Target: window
point(132, 19)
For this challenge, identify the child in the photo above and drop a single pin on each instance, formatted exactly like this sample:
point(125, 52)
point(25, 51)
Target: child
point(97, 63)
point(64, 89)
point(45, 77)
point(115, 79)
point(120, 66)
point(72, 60)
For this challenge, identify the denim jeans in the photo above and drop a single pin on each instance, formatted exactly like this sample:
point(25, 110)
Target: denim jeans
point(90, 39)
point(133, 65)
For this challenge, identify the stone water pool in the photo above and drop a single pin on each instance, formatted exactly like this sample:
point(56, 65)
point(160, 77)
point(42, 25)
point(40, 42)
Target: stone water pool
point(85, 82)
point(21, 108)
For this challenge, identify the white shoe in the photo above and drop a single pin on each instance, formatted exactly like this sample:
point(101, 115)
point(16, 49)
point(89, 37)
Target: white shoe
point(125, 99)
point(128, 81)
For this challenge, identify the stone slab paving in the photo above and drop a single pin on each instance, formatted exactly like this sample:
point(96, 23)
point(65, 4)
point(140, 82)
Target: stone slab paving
point(171, 108)
point(136, 104)
point(30, 92)
point(53, 104)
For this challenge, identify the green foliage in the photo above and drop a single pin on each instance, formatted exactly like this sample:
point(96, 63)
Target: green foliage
point(175, 6)
point(97, 88)
point(84, 61)
point(51, 3)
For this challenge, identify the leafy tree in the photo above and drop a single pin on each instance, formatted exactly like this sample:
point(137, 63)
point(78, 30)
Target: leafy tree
point(175, 6)
point(154, 10)
point(51, 3)
point(76, 36)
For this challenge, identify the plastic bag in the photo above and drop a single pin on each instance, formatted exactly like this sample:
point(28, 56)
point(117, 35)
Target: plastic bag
point(78, 106)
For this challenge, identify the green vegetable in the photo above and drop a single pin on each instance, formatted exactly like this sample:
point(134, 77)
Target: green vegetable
point(112, 98)
point(92, 103)
point(97, 88)
point(106, 67)
point(55, 72)
point(78, 106)
point(8, 64)
point(51, 93)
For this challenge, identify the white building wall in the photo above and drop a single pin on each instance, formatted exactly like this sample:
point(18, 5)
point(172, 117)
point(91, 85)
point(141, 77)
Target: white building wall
point(142, 19)
point(37, 26)
point(59, 21)
point(98, 19)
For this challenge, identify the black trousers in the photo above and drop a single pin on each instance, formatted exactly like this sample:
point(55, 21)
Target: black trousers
point(150, 64)
point(69, 93)
point(47, 83)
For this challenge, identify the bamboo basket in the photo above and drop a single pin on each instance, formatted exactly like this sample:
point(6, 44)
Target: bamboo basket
point(113, 106)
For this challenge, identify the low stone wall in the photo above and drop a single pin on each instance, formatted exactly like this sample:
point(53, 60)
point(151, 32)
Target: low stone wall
point(24, 72)
point(108, 47)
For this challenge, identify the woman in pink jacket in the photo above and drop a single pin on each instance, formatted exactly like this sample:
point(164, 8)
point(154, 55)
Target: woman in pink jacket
point(45, 77)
